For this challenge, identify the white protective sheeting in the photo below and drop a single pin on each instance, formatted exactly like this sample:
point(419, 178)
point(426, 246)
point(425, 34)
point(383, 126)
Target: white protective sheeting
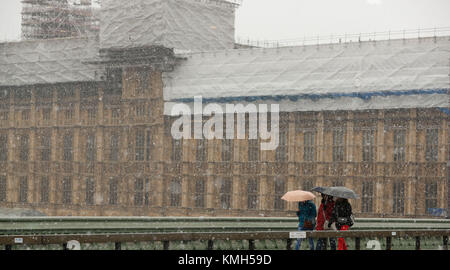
point(185, 25)
point(338, 69)
point(48, 61)
point(339, 104)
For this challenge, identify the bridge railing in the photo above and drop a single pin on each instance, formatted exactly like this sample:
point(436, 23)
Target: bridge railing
point(127, 225)
point(74, 241)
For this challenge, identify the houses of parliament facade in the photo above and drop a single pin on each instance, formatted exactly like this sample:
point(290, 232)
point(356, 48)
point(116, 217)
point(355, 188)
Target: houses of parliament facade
point(85, 128)
point(105, 149)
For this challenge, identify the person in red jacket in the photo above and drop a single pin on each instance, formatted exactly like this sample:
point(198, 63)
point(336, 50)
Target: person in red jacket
point(324, 215)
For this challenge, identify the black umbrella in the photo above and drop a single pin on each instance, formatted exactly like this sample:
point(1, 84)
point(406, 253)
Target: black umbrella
point(319, 189)
point(340, 192)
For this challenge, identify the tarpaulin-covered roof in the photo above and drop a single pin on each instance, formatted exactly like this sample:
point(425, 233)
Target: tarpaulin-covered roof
point(359, 75)
point(48, 61)
point(186, 25)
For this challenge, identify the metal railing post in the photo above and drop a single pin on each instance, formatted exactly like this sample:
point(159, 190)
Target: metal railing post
point(166, 245)
point(389, 243)
point(251, 244)
point(289, 244)
point(358, 243)
point(210, 244)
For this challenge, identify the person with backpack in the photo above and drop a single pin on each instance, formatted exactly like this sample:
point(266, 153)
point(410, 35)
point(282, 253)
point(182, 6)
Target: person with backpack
point(342, 218)
point(306, 220)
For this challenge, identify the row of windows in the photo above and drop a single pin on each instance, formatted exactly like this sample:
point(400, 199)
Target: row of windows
point(142, 193)
point(143, 144)
point(140, 111)
point(142, 147)
point(309, 147)
point(367, 200)
point(225, 187)
point(398, 195)
point(25, 94)
point(141, 190)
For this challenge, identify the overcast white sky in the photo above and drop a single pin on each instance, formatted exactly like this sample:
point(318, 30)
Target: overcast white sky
point(287, 19)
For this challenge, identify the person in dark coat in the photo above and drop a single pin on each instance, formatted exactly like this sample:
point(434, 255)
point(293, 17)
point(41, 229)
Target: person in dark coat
point(306, 220)
point(323, 216)
point(342, 217)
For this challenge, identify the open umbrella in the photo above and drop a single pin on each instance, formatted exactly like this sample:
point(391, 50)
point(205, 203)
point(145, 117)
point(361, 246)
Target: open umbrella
point(298, 196)
point(319, 189)
point(340, 192)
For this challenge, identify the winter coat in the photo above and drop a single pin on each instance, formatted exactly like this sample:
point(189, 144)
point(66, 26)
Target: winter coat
point(341, 209)
point(307, 211)
point(328, 205)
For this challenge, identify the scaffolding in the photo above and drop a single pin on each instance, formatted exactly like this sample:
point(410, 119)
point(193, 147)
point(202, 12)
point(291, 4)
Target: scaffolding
point(44, 19)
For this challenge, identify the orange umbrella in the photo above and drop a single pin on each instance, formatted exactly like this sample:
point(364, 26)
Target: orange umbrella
point(298, 196)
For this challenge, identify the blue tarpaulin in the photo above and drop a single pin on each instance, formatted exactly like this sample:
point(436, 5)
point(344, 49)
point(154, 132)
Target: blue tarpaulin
point(438, 212)
point(364, 96)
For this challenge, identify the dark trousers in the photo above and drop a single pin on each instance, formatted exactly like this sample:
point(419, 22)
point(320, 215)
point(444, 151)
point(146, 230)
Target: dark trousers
point(299, 241)
point(322, 244)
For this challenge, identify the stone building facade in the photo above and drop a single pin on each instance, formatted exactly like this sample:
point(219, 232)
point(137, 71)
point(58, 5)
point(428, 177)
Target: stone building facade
point(85, 123)
point(86, 149)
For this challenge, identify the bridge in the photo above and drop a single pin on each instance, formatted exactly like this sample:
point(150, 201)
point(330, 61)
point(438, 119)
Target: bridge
point(210, 233)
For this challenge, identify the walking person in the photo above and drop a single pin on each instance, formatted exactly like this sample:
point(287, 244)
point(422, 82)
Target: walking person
point(323, 218)
point(306, 220)
point(342, 217)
